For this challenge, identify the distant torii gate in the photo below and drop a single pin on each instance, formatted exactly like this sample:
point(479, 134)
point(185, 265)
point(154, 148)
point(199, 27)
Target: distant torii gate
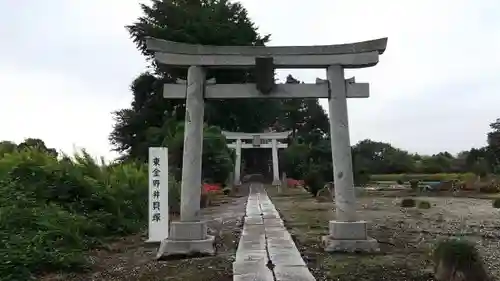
point(347, 233)
point(257, 143)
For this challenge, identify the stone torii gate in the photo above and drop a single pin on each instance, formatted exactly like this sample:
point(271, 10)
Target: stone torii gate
point(347, 233)
point(256, 143)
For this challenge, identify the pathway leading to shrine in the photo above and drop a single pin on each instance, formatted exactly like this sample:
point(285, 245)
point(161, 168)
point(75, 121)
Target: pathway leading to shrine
point(266, 251)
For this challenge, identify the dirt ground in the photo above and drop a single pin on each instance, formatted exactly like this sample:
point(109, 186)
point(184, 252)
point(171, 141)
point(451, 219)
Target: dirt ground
point(132, 259)
point(406, 236)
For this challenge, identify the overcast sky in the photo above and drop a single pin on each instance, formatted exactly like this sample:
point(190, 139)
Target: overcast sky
point(66, 65)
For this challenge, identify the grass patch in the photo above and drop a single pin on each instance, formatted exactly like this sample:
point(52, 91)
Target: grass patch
point(496, 203)
point(424, 205)
point(307, 221)
point(408, 203)
point(458, 260)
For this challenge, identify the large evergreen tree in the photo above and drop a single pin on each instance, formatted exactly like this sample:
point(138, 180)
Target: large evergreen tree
point(209, 22)
point(305, 117)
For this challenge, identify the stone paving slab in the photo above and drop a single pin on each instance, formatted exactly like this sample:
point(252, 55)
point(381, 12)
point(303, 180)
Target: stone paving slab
point(252, 271)
point(293, 273)
point(286, 257)
point(251, 256)
point(254, 220)
point(264, 240)
point(273, 223)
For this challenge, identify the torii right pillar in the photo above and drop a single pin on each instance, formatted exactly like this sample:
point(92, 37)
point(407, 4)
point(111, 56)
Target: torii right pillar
point(346, 233)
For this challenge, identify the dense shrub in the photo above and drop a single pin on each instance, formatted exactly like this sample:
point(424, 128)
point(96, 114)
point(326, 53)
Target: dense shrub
point(314, 181)
point(295, 160)
point(216, 159)
point(408, 203)
point(51, 210)
point(424, 205)
point(361, 177)
point(414, 184)
point(496, 203)
point(488, 187)
point(423, 177)
point(458, 260)
point(174, 196)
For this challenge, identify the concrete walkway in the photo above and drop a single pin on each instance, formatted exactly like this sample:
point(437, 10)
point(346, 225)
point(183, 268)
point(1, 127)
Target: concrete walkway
point(266, 251)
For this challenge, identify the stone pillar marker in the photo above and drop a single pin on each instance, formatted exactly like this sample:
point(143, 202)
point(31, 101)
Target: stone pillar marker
point(190, 235)
point(158, 194)
point(284, 183)
point(237, 164)
point(276, 172)
point(346, 234)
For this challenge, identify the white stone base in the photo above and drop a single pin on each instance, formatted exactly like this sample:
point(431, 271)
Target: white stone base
point(276, 182)
point(152, 242)
point(187, 238)
point(356, 230)
point(369, 245)
point(349, 237)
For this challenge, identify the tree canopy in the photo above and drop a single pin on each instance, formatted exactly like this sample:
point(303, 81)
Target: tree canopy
point(152, 120)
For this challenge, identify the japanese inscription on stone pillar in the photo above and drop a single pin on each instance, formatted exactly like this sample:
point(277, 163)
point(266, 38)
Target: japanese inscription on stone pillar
point(158, 194)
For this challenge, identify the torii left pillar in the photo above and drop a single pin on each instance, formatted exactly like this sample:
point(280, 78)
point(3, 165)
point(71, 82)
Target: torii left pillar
point(190, 234)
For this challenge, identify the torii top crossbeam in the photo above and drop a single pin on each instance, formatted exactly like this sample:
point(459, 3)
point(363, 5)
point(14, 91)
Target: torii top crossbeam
point(249, 136)
point(265, 60)
point(352, 55)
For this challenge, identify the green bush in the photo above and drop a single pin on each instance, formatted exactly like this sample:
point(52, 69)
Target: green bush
point(424, 205)
point(361, 177)
point(414, 184)
point(408, 203)
point(174, 196)
point(217, 157)
point(455, 258)
point(313, 181)
point(52, 210)
point(496, 203)
point(488, 187)
point(423, 177)
point(295, 160)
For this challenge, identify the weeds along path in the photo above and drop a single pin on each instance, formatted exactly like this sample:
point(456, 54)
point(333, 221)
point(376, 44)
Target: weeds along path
point(130, 258)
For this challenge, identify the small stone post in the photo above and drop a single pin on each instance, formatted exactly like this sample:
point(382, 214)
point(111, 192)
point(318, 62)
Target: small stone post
point(346, 233)
point(237, 164)
point(284, 183)
point(276, 172)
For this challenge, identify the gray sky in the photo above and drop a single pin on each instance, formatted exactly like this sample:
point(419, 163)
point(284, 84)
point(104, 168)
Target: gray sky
point(65, 65)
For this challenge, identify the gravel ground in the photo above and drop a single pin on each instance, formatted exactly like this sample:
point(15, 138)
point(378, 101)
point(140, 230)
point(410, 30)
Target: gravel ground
point(473, 219)
point(406, 234)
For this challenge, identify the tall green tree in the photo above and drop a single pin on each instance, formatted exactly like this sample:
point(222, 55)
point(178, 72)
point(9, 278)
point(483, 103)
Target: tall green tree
point(7, 147)
point(38, 144)
point(493, 147)
point(304, 117)
point(209, 22)
point(381, 158)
